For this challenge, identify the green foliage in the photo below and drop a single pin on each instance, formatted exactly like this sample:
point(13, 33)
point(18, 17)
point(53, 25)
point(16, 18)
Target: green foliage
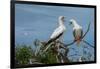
point(48, 57)
point(23, 53)
point(52, 55)
point(49, 54)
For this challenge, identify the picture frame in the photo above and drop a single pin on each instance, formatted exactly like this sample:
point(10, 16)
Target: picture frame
point(18, 16)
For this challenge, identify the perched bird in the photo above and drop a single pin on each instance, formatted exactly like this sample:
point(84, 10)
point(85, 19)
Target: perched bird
point(77, 31)
point(58, 32)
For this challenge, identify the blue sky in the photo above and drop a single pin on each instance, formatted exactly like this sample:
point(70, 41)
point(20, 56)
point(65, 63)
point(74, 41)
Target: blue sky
point(39, 21)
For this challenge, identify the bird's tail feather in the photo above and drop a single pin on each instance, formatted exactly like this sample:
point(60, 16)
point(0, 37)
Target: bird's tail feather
point(48, 42)
point(53, 39)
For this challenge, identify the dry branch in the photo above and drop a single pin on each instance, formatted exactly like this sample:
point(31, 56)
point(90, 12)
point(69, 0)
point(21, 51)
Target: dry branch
point(88, 43)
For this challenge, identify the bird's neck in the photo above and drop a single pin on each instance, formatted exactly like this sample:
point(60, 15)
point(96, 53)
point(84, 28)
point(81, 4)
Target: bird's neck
point(75, 24)
point(61, 23)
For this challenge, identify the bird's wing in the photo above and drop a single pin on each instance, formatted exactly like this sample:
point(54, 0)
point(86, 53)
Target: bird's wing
point(78, 32)
point(56, 32)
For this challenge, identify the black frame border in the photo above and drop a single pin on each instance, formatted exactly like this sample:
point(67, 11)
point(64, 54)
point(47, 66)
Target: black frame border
point(12, 33)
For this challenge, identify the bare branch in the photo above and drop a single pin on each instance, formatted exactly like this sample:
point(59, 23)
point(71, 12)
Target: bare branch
point(86, 31)
point(62, 46)
point(46, 48)
point(64, 58)
point(68, 44)
point(88, 43)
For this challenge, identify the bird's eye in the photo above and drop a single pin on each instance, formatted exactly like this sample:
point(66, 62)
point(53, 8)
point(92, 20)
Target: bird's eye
point(63, 18)
point(70, 22)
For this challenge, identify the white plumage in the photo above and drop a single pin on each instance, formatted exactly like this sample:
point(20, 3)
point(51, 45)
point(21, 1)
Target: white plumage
point(77, 30)
point(58, 31)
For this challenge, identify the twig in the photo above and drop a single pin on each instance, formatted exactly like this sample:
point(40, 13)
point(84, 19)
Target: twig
point(86, 31)
point(68, 44)
point(88, 43)
point(64, 58)
point(46, 48)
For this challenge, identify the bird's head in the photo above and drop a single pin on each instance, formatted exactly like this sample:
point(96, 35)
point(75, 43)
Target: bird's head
point(71, 22)
point(62, 18)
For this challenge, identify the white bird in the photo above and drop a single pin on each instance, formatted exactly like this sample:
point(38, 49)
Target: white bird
point(58, 32)
point(77, 31)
